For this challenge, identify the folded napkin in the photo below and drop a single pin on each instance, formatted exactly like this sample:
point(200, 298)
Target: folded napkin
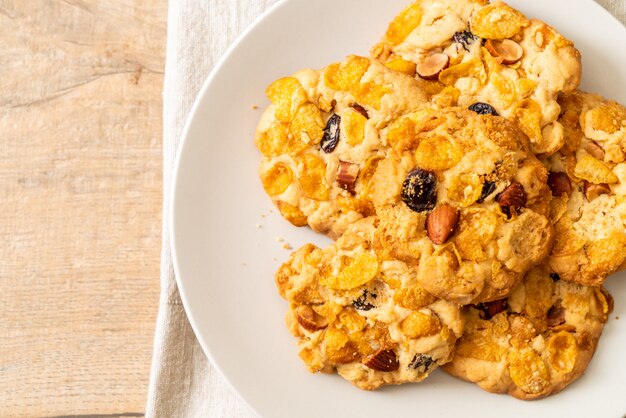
point(182, 381)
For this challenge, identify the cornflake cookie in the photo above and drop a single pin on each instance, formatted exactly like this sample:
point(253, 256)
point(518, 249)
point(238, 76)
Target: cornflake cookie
point(489, 56)
point(365, 316)
point(461, 197)
point(588, 180)
point(537, 341)
point(320, 139)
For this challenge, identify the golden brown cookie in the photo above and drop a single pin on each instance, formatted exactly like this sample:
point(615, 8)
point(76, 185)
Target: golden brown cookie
point(488, 56)
point(364, 316)
point(534, 343)
point(588, 180)
point(320, 139)
point(461, 197)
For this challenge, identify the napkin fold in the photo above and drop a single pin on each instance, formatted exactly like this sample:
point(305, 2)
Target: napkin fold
point(182, 381)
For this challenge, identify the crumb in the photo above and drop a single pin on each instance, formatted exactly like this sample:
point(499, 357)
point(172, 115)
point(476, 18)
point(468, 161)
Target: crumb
point(263, 215)
point(255, 107)
point(259, 226)
point(287, 246)
point(280, 239)
point(244, 264)
point(617, 318)
point(275, 259)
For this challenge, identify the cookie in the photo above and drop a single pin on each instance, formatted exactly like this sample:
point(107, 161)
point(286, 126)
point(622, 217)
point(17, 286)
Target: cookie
point(462, 198)
point(320, 139)
point(365, 317)
point(588, 180)
point(489, 56)
point(534, 343)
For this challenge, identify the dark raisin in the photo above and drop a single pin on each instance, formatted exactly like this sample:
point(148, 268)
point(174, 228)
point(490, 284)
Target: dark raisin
point(483, 109)
point(555, 277)
point(420, 360)
point(358, 108)
point(419, 190)
point(331, 134)
point(556, 316)
point(488, 310)
point(488, 188)
point(465, 38)
point(365, 302)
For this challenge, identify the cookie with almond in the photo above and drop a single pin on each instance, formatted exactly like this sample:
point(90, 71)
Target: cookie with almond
point(364, 316)
point(473, 51)
point(320, 139)
point(461, 197)
point(535, 342)
point(588, 181)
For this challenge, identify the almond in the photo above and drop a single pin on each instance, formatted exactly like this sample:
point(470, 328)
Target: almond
point(594, 190)
point(556, 316)
point(595, 150)
point(513, 196)
point(383, 360)
point(430, 67)
point(346, 175)
point(509, 51)
point(310, 320)
point(360, 109)
point(441, 223)
point(559, 183)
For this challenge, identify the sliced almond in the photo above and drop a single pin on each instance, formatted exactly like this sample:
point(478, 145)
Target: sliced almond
point(347, 175)
point(383, 361)
point(510, 51)
point(595, 150)
point(594, 190)
point(310, 320)
point(441, 223)
point(430, 67)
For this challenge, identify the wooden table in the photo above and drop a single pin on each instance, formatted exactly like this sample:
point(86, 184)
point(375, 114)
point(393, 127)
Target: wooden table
point(80, 204)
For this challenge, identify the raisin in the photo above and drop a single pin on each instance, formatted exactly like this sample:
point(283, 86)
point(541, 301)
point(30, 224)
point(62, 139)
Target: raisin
point(358, 108)
point(331, 134)
point(465, 38)
point(420, 360)
point(483, 109)
point(555, 277)
point(488, 188)
point(365, 302)
point(488, 310)
point(419, 190)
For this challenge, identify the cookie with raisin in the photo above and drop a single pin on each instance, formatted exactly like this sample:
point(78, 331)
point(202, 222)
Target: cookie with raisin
point(364, 316)
point(320, 139)
point(588, 181)
point(461, 197)
point(487, 56)
point(537, 341)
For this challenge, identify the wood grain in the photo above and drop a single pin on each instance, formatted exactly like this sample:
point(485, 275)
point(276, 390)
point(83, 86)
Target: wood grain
point(80, 204)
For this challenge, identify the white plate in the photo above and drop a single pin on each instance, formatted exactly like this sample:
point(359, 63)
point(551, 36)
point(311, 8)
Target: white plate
point(225, 264)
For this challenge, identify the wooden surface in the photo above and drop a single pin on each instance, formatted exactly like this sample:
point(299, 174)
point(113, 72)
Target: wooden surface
point(80, 204)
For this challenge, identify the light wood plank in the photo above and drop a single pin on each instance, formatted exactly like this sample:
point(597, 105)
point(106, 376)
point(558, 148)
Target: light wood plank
point(80, 203)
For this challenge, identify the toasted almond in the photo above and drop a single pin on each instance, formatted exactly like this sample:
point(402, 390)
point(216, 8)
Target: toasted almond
point(510, 51)
point(430, 67)
point(559, 183)
point(347, 175)
point(594, 190)
point(384, 360)
point(513, 196)
point(441, 223)
point(595, 150)
point(310, 320)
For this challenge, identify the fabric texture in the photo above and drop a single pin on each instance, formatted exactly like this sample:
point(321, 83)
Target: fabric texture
point(182, 381)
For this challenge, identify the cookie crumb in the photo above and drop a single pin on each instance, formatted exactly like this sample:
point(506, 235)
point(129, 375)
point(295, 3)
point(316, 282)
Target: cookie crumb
point(617, 318)
point(280, 239)
point(287, 246)
point(255, 107)
point(259, 226)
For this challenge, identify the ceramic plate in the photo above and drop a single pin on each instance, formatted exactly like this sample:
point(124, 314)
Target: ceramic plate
point(226, 234)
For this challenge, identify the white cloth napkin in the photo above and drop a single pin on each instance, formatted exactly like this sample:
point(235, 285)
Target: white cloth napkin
point(182, 382)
